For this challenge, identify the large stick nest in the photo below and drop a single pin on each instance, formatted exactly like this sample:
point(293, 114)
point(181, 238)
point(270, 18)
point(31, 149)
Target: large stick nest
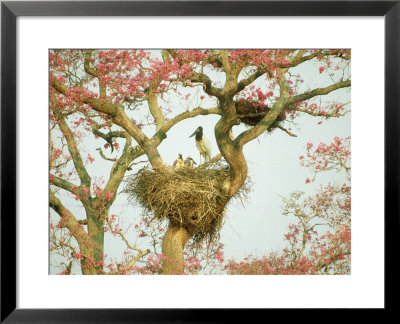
point(251, 113)
point(189, 197)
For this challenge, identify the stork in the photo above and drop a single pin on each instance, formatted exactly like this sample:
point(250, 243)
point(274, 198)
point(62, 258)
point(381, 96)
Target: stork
point(202, 144)
point(189, 162)
point(179, 163)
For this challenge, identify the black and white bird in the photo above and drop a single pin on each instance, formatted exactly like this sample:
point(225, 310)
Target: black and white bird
point(202, 144)
point(178, 163)
point(189, 162)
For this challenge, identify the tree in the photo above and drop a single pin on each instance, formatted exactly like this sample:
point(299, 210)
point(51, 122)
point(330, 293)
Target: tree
point(307, 251)
point(98, 92)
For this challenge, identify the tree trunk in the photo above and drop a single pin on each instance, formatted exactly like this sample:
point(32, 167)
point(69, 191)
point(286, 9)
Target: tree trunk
point(88, 270)
point(233, 154)
point(96, 236)
point(173, 244)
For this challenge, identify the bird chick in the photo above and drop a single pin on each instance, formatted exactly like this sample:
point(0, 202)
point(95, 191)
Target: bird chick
point(189, 162)
point(178, 163)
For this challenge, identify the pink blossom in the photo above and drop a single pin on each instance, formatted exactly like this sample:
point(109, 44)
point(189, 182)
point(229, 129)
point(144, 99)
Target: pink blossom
point(77, 256)
point(109, 195)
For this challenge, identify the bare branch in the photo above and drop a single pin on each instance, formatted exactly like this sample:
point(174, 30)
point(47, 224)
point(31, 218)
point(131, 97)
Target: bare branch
point(140, 253)
point(135, 259)
point(287, 131)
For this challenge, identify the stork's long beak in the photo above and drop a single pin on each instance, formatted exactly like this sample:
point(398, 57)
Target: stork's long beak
point(193, 133)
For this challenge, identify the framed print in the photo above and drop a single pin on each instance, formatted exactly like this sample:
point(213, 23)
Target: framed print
point(205, 158)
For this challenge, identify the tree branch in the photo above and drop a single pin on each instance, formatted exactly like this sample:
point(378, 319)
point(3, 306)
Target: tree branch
point(318, 92)
point(109, 136)
point(245, 82)
point(208, 88)
point(102, 106)
point(140, 253)
point(68, 220)
point(154, 107)
point(319, 114)
point(262, 125)
point(86, 64)
point(135, 259)
point(73, 150)
point(118, 171)
point(94, 73)
point(185, 115)
point(299, 58)
point(120, 118)
point(63, 184)
point(282, 104)
point(287, 131)
point(105, 157)
point(270, 117)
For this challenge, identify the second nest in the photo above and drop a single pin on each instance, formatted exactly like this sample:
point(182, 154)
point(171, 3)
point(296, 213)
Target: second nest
point(188, 197)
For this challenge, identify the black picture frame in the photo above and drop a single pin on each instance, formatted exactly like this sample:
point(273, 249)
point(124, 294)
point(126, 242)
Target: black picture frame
point(9, 13)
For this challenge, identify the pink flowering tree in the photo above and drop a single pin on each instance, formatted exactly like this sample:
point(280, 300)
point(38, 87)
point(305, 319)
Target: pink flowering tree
point(119, 99)
point(320, 241)
point(198, 259)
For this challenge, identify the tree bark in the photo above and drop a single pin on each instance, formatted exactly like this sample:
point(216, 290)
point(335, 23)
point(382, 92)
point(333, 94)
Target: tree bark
point(96, 235)
point(173, 245)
